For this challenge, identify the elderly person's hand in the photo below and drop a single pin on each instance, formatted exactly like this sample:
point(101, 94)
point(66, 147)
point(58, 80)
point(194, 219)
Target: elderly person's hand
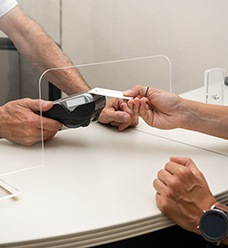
point(118, 114)
point(20, 123)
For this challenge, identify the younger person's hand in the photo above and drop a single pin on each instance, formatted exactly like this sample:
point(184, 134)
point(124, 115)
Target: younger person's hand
point(158, 108)
point(183, 192)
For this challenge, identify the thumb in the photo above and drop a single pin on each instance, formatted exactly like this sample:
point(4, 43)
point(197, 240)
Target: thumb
point(45, 105)
point(37, 105)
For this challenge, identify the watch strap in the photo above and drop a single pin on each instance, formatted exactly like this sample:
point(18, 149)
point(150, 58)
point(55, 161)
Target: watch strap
point(220, 206)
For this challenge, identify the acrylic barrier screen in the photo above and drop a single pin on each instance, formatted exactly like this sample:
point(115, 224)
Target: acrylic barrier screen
point(154, 71)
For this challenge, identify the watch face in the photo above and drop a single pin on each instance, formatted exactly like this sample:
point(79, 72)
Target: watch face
point(214, 225)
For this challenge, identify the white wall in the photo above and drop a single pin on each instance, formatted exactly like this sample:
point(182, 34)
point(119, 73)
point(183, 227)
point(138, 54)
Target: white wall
point(193, 34)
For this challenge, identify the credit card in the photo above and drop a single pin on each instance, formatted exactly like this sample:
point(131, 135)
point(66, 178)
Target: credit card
point(108, 93)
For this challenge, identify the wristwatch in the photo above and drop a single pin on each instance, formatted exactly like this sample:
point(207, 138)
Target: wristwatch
point(213, 224)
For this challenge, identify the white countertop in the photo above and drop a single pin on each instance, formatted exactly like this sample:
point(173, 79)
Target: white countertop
point(94, 184)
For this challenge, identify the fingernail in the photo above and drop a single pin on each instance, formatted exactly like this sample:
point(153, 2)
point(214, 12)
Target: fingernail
point(127, 92)
point(46, 103)
point(125, 118)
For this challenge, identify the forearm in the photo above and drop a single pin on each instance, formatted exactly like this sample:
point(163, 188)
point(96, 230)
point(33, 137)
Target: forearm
point(205, 118)
point(33, 43)
point(48, 55)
